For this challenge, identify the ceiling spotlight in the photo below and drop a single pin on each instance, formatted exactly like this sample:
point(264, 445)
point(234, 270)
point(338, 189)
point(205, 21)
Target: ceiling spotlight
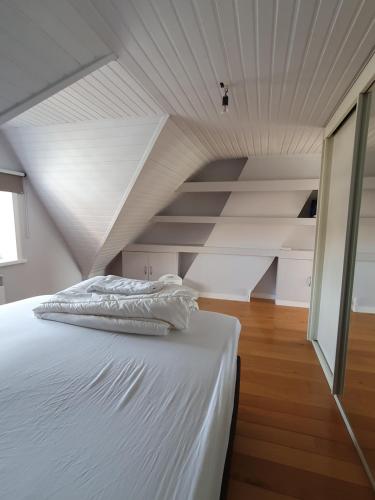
point(225, 98)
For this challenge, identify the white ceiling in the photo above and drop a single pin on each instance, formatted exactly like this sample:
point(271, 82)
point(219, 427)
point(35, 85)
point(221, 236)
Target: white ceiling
point(41, 42)
point(288, 64)
point(108, 92)
point(81, 172)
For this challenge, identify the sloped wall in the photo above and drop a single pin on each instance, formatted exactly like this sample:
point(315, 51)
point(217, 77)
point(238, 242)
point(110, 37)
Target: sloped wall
point(210, 204)
point(81, 172)
point(49, 266)
point(176, 155)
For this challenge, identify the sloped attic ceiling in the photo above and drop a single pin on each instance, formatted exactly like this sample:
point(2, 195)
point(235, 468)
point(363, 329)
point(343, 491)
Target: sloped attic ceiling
point(41, 45)
point(175, 156)
point(108, 92)
point(288, 65)
point(87, 147)
point(82, 172)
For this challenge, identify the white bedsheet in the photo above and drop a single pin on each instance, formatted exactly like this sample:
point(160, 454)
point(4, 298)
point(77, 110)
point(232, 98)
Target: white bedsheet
point(88, 415)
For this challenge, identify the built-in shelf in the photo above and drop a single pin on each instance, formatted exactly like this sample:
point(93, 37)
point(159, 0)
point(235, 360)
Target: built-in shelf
point(263, 185)
point(196, 219)
point(257, 252)
point(282, 253)
point(12, 172)
point(241, 186)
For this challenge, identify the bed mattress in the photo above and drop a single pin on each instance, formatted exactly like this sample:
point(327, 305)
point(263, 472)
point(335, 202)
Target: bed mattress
point(88, 414)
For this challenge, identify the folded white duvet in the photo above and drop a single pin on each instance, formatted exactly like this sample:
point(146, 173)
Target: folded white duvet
point(124, 286)
point(172, 305)
point(121, 325)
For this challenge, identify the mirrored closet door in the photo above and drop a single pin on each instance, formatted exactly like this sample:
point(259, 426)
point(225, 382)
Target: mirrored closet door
point(358, 385)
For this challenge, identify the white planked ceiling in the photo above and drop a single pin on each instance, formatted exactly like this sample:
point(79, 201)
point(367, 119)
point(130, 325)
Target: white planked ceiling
point(42, 42)
point(108, 92)
point(175, 156)
point(82, 172)
point(288, 64)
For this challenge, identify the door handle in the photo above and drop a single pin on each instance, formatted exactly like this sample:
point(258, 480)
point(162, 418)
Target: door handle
point(145, 270)
point(150, 270)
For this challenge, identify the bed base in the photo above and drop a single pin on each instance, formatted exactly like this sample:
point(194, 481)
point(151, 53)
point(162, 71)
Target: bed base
point(228, 458)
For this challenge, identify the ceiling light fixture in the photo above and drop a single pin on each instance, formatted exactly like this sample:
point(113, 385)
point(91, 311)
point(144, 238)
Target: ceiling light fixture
point(225, 98)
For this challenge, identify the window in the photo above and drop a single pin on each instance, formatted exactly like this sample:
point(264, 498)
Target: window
point(8, 230)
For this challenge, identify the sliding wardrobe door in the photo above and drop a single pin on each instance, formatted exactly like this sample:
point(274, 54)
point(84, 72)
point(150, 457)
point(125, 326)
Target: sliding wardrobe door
point(358, 397)
point(341, 146)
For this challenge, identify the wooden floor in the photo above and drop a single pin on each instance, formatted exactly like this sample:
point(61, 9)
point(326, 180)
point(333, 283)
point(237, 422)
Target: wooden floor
point(359, 388)
point(290, 442)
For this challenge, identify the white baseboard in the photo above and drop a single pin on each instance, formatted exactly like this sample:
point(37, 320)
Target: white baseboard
point(292, 303)
point(247, 298)
point(267, 296)
point(364, 309)
point(224, 296)
point(360, 308)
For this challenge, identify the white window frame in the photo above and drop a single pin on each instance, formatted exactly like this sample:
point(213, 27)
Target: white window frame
point(18, 223)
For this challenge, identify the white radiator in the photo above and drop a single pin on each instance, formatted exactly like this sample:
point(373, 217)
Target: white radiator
point(2, 290)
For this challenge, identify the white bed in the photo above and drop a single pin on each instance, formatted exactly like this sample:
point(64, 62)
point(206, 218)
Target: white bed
point(87, 414)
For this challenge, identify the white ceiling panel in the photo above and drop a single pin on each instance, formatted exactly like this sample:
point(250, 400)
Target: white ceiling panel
point(42, 42)
point(108, 92)
point(81, 172)
point(284, 60)
point(288, 64)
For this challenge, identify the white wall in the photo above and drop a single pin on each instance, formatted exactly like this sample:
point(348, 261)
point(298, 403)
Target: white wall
point(82, 172)
point(175, 156)
point(210, 204)
point(226, 276)
point(245, 277)
point(50, 266)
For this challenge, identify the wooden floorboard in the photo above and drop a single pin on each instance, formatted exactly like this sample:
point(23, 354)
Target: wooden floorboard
point(291, 443)
point(359, 389)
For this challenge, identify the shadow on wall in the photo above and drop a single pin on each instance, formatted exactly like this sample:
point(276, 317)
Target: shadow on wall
point(266, 287)
point(210, 204)
point(233, 275)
